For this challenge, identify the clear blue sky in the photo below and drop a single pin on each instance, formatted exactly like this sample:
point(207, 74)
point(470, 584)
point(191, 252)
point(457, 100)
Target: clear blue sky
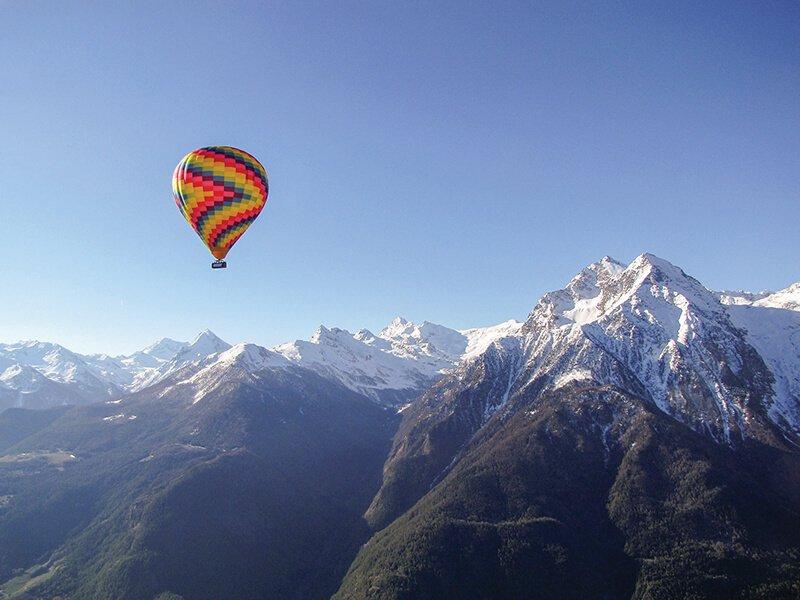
point(446, 161)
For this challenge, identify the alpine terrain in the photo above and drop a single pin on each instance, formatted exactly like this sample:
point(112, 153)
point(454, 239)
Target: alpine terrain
point(637, 436)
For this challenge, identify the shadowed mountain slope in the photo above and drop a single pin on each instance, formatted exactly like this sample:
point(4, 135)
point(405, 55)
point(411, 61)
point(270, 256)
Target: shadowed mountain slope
point(257, 490)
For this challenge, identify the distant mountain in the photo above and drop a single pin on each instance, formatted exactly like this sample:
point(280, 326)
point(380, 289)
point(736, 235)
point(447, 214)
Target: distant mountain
point(391, 368)
point(163, 350)
point(22, 385)
point(71, 378)
point(205, 344)
point(788, 298)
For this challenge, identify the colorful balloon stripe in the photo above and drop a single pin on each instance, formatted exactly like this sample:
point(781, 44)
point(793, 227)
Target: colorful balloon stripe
point(228, 224)
point(229, 237)
point(220, 191)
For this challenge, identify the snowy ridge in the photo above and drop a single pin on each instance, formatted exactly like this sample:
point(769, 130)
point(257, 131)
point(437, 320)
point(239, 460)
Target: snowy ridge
point(787, 298)
point(390, 367)
point(775, 334)
point(739, 297)
point(78, 378)
point(658, 333)
point(362, 362)
point(479, 339)
point(58, 376)
point(164, 349)
point(22, 385)
point(205, 344)
point(727, 364)
point(237, 363)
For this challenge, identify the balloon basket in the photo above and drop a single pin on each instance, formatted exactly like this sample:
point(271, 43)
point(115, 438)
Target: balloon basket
point(219, 264)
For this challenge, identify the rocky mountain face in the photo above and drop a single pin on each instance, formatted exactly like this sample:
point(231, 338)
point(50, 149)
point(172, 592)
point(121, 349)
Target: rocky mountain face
point(637, 436)
point(648, 329)
point(580, 491)
point(729, 372)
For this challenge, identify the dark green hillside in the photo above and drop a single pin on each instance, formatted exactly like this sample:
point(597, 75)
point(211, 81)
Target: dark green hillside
point(432, 433)
point(255, 491)
point(18, 423)
point(588, 493)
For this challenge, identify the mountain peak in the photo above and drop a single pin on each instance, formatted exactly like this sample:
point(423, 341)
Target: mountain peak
point(605, 265)
point(206, 334)
point(204, 344)
point(788, 298)
point(602, 286)
point(251, 357)
point(208, 338)
point(663, 326)
point(164, 349)
point(648, 261)
point(321, 333)
point(396, 327)
point(20, 377)
point(610, 261)
point(585, 283)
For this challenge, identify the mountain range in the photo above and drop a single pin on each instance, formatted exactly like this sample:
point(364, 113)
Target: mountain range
point(390, 366)
point(637, 435)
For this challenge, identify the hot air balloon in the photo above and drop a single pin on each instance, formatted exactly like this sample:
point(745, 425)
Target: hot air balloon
point(220, 191)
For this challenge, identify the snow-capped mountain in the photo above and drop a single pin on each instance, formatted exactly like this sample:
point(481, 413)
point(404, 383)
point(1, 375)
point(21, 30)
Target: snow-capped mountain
point(42, 374)
point(163, 350)
point(22, 385)
point(77, 378)
point(439, 346)
point(619, 344)
point(788, 298)
point(771, 322)
point(728, 370)
point(725, 363)
point(741, 297)
point(391, 367)
point(205, 344)
point(651, 329)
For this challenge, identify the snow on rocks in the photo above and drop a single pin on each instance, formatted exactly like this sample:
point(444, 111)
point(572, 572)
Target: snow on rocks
point(653, 330)
point(706, 358)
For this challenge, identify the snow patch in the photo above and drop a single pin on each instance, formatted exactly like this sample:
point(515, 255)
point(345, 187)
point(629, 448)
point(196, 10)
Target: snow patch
point(576, 375)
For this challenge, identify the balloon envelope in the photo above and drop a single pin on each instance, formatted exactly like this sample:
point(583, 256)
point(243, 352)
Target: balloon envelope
point(220, 190)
